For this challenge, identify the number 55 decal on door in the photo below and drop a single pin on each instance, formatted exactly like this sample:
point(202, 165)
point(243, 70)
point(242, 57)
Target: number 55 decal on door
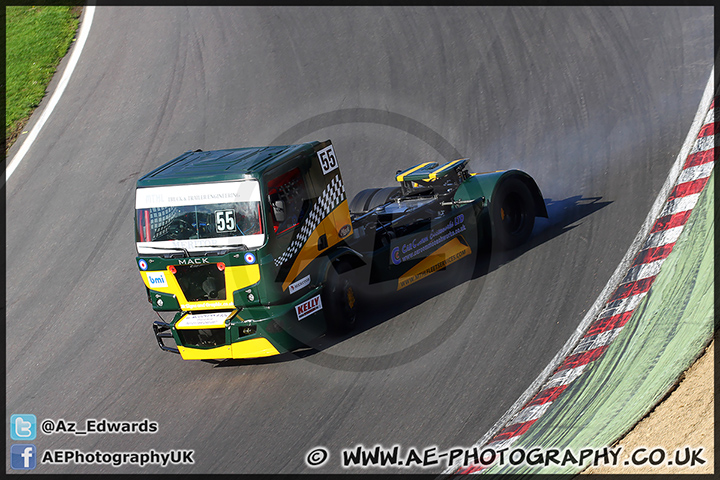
point(328, 162)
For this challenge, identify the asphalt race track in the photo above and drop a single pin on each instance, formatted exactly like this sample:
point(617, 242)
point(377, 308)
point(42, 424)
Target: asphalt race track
point(594, 103)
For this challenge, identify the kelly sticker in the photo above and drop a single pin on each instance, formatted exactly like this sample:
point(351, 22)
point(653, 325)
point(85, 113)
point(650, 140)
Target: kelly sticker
point(309, 307)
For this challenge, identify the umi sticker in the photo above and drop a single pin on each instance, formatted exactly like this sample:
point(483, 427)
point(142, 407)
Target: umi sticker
point(157, 279)
point(303, 282)
point(309, 307)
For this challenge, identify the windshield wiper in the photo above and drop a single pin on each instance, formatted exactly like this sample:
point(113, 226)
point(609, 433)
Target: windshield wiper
point(230, 248)
point(184, 250)
point(223, 249)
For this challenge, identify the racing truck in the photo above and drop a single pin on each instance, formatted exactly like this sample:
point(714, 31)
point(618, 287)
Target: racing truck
point(257, 251)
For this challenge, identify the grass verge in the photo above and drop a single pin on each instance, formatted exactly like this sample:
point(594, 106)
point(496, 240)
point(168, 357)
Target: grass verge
point(36, 39)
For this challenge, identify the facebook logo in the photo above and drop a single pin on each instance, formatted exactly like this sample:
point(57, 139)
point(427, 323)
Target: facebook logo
point(23, 427)
point(22, 457)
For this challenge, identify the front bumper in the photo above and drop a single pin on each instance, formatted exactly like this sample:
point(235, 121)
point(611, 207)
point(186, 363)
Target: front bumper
point(252, 332)
point(246, 348)
point(251, 348)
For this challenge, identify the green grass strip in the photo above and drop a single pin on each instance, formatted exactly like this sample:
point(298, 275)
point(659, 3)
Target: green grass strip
point(667, 332)
point(37, 37)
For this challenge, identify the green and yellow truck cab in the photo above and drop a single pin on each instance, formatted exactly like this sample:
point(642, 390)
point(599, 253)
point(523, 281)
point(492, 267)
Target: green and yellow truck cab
point(257, 250)
point(239, 242)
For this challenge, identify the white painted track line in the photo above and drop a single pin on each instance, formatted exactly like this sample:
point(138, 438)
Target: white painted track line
point(88, 13)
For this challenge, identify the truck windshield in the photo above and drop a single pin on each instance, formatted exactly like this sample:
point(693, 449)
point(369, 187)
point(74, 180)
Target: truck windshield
point(198, 217)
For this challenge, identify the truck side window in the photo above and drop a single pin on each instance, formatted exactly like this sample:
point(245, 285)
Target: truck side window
point(288, 201)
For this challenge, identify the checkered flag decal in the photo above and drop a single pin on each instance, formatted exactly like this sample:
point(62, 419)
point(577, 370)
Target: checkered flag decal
point(331, 197)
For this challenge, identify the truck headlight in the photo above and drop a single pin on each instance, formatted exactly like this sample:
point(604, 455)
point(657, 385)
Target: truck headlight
point(249, 330)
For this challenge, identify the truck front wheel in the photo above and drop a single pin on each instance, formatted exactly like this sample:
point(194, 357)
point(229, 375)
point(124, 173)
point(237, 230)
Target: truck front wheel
point(339, 299)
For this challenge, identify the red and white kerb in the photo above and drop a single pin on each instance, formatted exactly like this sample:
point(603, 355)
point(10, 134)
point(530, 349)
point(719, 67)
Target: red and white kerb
point(633, 287)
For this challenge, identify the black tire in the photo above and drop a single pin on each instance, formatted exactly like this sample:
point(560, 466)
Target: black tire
point(513, 214)
point(370, 198)
point(383, 196)
point(359, 203)
point(339, 299)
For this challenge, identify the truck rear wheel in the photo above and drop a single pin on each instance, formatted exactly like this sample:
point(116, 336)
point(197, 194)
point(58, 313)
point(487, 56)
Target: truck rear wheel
point(360, 201)
point(370, 198)
point(383, 195)
point(339, 299)
point(513, 214)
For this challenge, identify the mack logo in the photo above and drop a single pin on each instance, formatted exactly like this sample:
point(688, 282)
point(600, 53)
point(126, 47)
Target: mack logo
point(196, 261)
point(308, 307)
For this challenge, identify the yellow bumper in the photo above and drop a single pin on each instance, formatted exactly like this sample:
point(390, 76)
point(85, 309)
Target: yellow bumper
point(252, 348)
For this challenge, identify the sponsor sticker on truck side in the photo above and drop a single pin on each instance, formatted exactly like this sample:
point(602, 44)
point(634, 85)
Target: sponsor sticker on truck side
point(309, 307)
point(303, 282)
